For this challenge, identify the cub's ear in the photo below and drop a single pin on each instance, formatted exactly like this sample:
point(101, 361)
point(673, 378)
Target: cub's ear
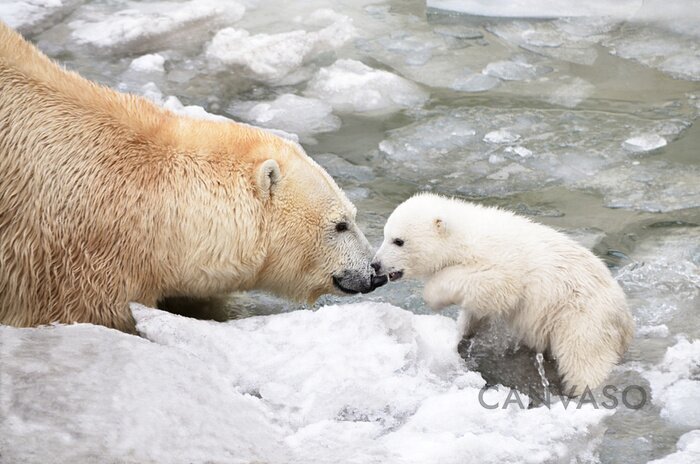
point(440, 226)
point(268, 177)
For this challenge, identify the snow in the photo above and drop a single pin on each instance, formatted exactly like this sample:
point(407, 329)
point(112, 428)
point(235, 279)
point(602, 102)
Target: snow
point(148, 63)
point(539, 8)
point(362, 383)
point(150, 20)
point(675, 383)
point(352, 86)
point(291, 113)
point(688, 450)
point(273, 57)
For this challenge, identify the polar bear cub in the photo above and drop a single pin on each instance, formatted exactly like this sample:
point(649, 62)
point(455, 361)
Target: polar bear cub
point(552, 292)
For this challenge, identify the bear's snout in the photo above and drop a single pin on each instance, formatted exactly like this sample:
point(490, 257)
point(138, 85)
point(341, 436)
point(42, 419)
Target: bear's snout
point(352, 282)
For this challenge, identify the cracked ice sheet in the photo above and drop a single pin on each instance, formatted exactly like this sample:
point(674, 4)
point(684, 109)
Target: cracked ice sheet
point(447, 149)
point(364, 383)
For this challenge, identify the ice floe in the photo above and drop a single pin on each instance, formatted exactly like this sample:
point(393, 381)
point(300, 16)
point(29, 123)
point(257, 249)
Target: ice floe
point(687, 450)
point(277, 58)
point(148, 63)
point(291, 113)
point(358, 383)
point(352, 86)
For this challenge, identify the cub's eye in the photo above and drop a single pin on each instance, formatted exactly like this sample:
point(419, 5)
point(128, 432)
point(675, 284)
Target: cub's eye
point(398, 242)
point(341, 227)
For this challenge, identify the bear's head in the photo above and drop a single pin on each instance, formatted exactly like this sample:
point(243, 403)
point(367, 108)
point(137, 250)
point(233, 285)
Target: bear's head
point(415, 239)
point(315, 245)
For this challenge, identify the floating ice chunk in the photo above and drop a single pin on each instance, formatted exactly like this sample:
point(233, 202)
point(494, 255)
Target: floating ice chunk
point(511, 70)
point(520, 151)
point(644, 143)
point(30, 15)
point(353, 87)
point(539, 9)
point(675, 383)
point(676, 55)
point(501, 136)
point(355, 383)
point(272, 57)
point(688, 450)
point(654, 186)
point(148, 63)
point(653, 331)
point(151, 20)
point(172, 103)
point(571, 93)
point(473, 82)
point(291, 113)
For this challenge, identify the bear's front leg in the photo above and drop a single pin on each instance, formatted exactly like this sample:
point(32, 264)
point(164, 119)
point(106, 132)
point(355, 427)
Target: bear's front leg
point(483, 292)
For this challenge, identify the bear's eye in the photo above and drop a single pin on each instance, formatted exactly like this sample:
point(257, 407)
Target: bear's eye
point(341, 227)
point(398, 242)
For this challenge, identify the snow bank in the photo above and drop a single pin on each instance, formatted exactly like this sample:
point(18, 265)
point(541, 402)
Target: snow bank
point(291, 113)
point(273, 57)
point(675, 383)
point(360, 383)
point(143, 20)
point(353, 87)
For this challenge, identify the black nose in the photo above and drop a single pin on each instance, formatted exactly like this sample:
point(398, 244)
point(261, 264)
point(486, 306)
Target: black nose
point(378, 281)
point(376, 266)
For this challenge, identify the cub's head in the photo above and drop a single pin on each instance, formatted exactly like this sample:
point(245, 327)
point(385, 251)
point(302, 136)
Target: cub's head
point(315, 244)
point(415, 239)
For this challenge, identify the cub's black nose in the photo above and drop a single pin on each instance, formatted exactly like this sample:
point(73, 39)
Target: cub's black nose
point(376, 266)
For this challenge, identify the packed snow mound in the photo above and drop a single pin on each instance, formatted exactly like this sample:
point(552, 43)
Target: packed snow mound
point(539, 8)
point(148, 20)
point(360, 383)
point(675, 383)
point(353, 87)
point(688, 450)
point(288, 112)
point(277, 58)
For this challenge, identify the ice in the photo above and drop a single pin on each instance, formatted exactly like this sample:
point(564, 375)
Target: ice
point(464, 150)
point(351, 86)
point(511, 70)
point(644, 143)
point(663, 281)
point(149, 20)
point(339, 168)
point(675, 383)
point(539, 8)
point(30, 15)
point(688, 450)
point(675, 54)
point(277, 58)
point(357, 383)
point(291, 113)
point(148, 63)
point(172, 103)
point(473, 82)
point(501, 136)
point(649, 185)
point(571, 93)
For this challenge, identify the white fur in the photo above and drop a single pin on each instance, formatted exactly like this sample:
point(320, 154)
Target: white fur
point(552, 292)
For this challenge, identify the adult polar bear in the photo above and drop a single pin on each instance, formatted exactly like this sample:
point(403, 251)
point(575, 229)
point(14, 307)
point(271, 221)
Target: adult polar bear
point(106, 199)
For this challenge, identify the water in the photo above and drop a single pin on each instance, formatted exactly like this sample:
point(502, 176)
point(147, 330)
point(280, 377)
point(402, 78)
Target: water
point(585, 124)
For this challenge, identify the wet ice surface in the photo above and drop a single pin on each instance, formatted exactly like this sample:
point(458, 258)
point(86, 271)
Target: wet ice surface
point(587, 124)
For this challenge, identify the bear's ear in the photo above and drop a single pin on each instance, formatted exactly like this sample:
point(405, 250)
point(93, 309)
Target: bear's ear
point(440, 226)
point(268, 177)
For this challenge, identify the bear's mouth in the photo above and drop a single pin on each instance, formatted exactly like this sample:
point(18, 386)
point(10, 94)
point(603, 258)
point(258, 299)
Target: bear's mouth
point(395, 275)
point(339, 286)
